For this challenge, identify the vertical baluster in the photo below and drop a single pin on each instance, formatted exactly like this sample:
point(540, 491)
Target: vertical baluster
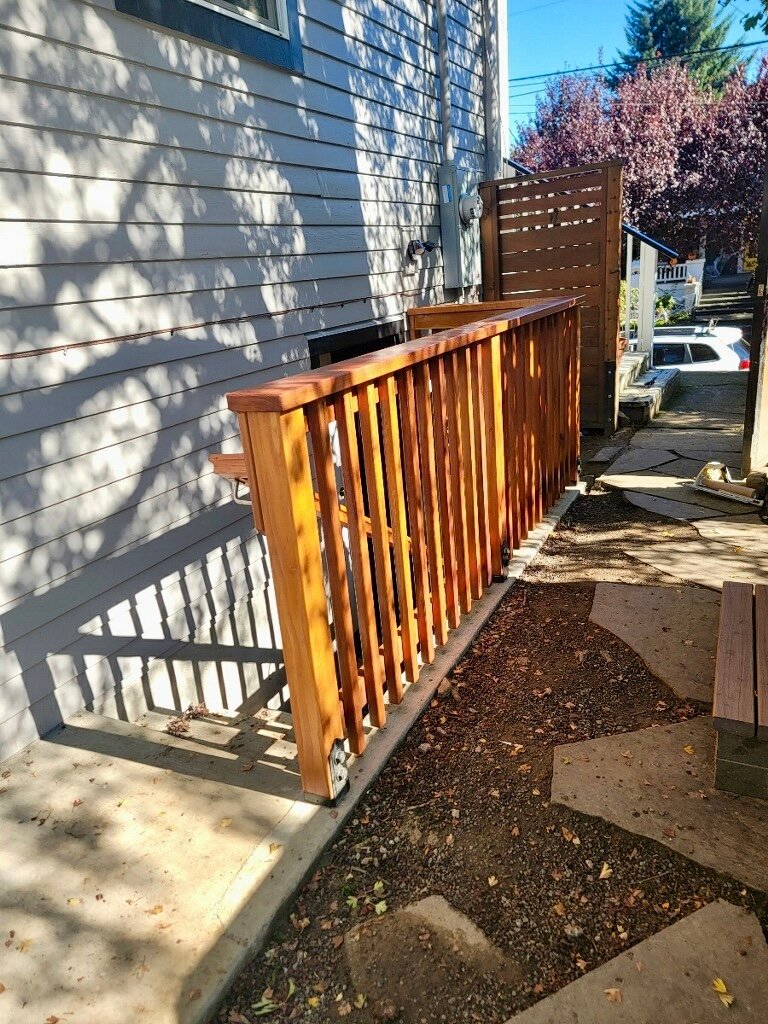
point(351, 685)
point(537, 336)
point(394, 481)
point(548, 424)
point(512, 467)
point(417, 506)
point(436, 374)
point(464, 393)
point(374, 479)
point(275, 447)
point(575, 397)
point(478, 356)
point(563, 393)
point(456, 456)
point(496, 452)
point(361, 562)
point(531, 409)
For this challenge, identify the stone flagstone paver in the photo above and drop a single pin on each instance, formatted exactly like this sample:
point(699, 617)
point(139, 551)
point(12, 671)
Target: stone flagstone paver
point(635, 460)
point(659, 783)
point(729, 441)
point(670, 508)
point(667, 979)
point(673, 629)
point(705, 561)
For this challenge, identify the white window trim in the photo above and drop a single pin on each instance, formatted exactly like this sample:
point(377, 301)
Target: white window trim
point(282, 17)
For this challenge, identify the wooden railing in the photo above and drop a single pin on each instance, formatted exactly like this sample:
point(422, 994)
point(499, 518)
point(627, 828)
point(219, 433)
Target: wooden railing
point(449, 450)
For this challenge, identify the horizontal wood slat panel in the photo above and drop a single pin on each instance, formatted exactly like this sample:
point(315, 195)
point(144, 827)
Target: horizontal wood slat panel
point(575, 277)
point(540, 238)
point(536, 231)
point(592, 201)
point(538, 220)
point(551, 259)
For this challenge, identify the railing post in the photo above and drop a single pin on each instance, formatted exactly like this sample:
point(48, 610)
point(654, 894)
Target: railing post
point(276, 453)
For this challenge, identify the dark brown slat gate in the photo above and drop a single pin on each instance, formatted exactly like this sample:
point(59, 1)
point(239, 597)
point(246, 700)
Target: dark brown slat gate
point(557, 233)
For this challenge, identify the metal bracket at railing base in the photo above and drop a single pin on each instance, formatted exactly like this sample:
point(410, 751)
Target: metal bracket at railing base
point(337, 762)
point(237, 493)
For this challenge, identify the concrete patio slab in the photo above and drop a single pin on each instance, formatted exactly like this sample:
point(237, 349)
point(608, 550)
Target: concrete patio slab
point(673, 629)
point(707, 562)
point(659, 783)
point(667, 979)
point(729, 441)
point(140, 869)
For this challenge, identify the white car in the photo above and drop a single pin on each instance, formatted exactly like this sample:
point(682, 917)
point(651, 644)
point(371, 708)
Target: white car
point(706, 349)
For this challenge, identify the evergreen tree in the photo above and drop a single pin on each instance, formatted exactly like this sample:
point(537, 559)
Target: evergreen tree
point(661, 28)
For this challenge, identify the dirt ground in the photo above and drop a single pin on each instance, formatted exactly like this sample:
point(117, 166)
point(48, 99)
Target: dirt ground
point(462, 811)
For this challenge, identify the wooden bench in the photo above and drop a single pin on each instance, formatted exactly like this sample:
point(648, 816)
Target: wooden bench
point(740, 703)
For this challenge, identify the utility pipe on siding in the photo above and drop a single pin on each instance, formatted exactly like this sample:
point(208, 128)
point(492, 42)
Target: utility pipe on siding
point(445, 81)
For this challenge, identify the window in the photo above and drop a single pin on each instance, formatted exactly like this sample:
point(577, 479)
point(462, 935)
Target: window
point(264, 12)
point(267, 30)
point(333, 348)
point(668, 355)
point(702, 353)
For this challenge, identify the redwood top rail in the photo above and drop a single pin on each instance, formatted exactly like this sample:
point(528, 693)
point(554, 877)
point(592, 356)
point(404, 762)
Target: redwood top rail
point(304, 388)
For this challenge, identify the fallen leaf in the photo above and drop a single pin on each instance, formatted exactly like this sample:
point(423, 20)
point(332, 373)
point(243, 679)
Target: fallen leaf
point(380, 908)
point(722, 992)
point(352, 902)
point(313, 1001)
point(613, 995)
point(337, 941)
point(76, 803)
point(605, 872)
point(156, 909)
point(73, 901)
point(359, 1000)
point(345, 1009)
point(559, 909)
point(567, 834)
point(378, 887)
point(225, 822)
point(494, 793)
point(274, 847)
point(53, 1019)
point(492, 880)
point(689, 749)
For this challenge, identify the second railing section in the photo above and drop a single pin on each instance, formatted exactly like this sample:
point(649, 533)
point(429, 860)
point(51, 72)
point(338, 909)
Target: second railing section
point(392, 490)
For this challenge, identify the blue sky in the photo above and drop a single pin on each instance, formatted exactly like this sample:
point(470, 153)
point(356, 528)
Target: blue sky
point(553, 35)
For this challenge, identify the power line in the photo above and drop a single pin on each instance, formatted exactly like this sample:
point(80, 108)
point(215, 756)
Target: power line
point(538, 7)
point(648, 60)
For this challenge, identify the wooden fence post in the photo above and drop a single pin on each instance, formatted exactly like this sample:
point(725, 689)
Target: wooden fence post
point(276, 446)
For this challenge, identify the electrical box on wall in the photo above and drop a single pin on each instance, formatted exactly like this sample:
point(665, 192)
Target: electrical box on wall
point(460, 213)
